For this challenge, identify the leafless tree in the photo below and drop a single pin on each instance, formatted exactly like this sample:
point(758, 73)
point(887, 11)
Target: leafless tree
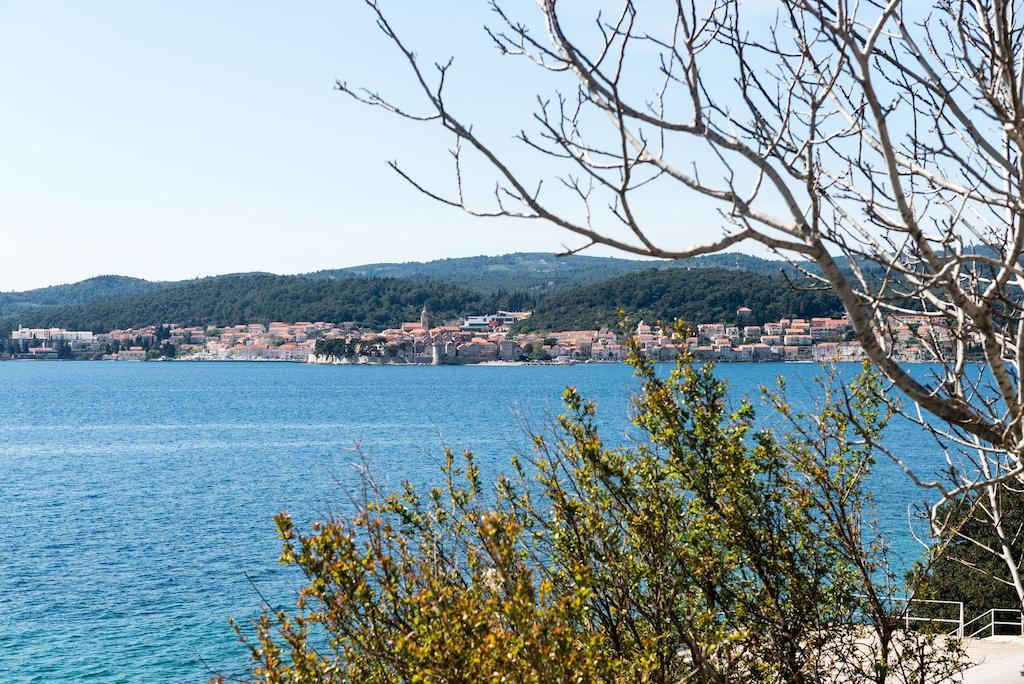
point(875, 145)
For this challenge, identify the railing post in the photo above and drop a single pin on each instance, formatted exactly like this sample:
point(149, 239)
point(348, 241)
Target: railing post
point(960, 628)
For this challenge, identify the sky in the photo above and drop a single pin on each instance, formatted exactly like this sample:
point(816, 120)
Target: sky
point(182, 139)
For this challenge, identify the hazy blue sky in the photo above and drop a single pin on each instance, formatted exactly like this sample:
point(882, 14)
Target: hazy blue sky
point(178, 139)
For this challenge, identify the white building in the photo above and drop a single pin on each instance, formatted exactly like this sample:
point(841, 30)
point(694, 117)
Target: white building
point(502, 319)
point(52, 334)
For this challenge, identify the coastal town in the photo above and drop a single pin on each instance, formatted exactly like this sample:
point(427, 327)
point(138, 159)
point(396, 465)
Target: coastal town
point(479, 339)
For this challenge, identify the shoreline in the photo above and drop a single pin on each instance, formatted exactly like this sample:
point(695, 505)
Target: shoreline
point(489, 363)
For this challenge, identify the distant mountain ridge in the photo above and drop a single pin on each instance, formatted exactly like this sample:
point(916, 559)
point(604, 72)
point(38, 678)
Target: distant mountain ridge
point(539, 272)
point(100, 288)
point(535, 272)
point(374, 294)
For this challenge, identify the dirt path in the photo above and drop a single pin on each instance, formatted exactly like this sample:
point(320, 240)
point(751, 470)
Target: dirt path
point(998, 660)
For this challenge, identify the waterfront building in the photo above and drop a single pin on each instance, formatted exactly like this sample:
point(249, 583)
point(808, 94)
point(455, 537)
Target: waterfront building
point(826, 351)
point(51, 335)
point(508, 350)
point(850, 351)
point(131, 354)
point(794, 353)
point(760, 352)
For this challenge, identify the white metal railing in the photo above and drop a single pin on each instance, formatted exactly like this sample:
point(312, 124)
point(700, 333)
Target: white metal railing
point(985, 625)
point(993, 615)
point(991, 620)
point(909, 617)
point(958, 621)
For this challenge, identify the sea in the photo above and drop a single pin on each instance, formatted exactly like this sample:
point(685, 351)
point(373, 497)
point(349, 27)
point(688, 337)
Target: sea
point(136, 499)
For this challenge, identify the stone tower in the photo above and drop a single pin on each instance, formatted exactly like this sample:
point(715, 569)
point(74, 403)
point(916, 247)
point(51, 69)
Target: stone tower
point(424, 319)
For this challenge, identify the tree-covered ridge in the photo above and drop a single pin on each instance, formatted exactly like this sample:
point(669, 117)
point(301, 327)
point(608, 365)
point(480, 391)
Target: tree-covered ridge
point(696, 295)
point(539, 272)
point(534, 272)
point(100, 288)
point(229, 300)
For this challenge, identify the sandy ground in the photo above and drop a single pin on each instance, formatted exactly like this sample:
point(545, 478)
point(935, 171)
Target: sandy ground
point(998, 660)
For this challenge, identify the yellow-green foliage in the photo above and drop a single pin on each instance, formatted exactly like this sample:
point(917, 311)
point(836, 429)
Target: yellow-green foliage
point(710, 550)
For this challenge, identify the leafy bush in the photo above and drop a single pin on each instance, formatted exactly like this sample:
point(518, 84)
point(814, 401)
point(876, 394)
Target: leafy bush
point(710, 550)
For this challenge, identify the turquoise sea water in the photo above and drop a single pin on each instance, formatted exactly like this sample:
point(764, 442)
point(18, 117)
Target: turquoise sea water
point(136, 500)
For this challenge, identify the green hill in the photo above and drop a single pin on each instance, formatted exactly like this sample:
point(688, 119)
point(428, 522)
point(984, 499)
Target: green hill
point(228, 300)
point(566, 292)
point(98, 289)
point(538, 272)
point(530, 272)
point(696, 295)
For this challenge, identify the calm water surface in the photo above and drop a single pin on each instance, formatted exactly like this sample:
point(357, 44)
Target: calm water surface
point(136, 500)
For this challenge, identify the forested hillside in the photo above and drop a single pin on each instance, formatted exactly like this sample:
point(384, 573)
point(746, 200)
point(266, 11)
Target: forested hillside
point(539, 272)
point(227, 300)
point(100, 288)
point(696, 295)
point(450, 288)
point(534, 272)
